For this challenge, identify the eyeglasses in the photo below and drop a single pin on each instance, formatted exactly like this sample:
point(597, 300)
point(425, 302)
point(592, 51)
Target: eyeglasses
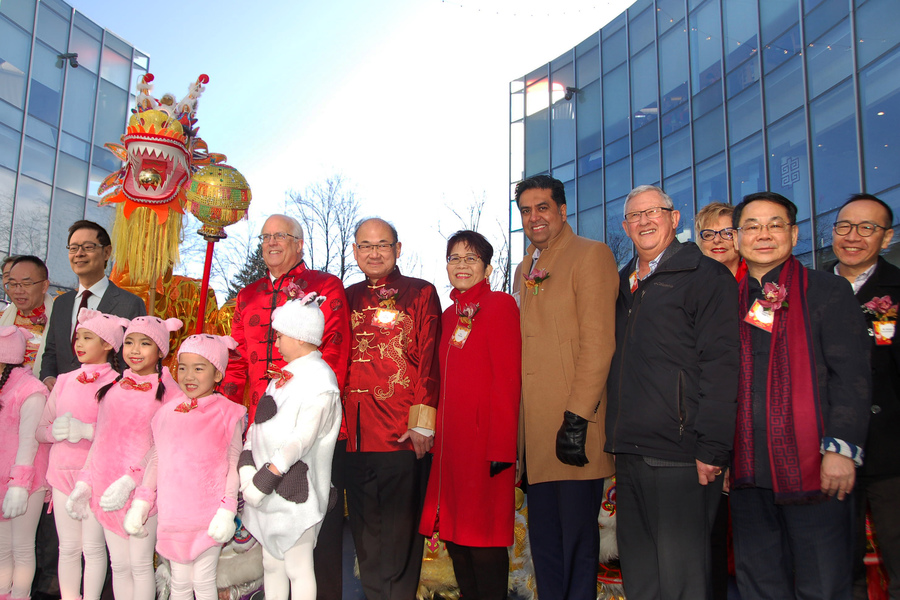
point(88, 247)
point(278, 237)
point(773, 228)
point(22, 285)
point(864, 229)
point(652, 213)
point(375, 247)
point(710, 234)
point(469, 259)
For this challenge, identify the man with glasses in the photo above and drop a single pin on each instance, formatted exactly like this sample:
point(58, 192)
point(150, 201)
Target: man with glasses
point(389, 411)
point(803, 405)
point(863, 228)
point(89, 250)
point(31, 306)
point(258, 360)
point(670, 420)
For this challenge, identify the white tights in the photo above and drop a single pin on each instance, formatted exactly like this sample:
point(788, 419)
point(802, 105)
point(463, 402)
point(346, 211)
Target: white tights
point(77, 538)
point(132, 564)
point(294, 574)
point(196, 578)
point(17, 562)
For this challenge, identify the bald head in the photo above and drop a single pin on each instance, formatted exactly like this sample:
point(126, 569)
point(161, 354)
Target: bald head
point(281, 255)
point(377, 248)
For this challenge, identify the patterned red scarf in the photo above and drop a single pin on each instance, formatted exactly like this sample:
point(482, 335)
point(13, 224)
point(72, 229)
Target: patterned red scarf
point(793, 415)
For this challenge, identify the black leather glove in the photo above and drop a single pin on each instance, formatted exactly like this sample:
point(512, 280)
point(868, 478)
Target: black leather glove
point(499, 467)
point(570, 440)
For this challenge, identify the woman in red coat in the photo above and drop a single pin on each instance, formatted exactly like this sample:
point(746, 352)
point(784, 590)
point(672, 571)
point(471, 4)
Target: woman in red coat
point(471, 489)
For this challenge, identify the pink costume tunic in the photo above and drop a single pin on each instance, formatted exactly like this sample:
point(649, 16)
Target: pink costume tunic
point(122, 440)
point(198, 452)
point(20, 385)
point(75, 392)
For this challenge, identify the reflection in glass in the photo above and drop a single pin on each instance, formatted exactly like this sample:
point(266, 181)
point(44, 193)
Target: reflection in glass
point(876, 28)
point(615, 105)
point(115, 68)
point(72, 175)
point(537, 143)
point(829, 59)
point(788, 163)
point(52, 29)
point(712, 181)
point(590, 223)
point(673, 68)
point(616, 239)
point(537, 96)
point(31, 218)
point(641, 31)
point(589, 118)
point(709, 135)
point(781, 50)
point(741, 41)
point(880, 106)
point(643, 88)
point(587, 67)
point(646, 166)
point(112, 113)
point(67, 208)
point(21, 12)
point(15, 48)
point(823, 18)
point(668, 12)
point(681, 189)
point(706, 46)
point(833, 126)
point(38, 160)
point(9, 148)
point(613, 50)
point(7, 189)
point(744, 114)
point(742, 77)
point(784, 90)
point(747, 168)
point(677, 152)
point(590, 190)
point(564, 173)
point(618, 179)
point(46, 85)
point(776, 16)
point(517, 151)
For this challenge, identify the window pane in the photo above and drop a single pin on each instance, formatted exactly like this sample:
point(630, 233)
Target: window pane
point(616, 151)
point(681, 189)
point(616, 239)
point(615, 105)
point(747, 168)
point(564, 172)
point(708, 99)
point(618, 179)
point(876, 27)
point(516, 105)
point(10, 116)
point(776, 16)
point(41, 131)
point(741, 41)
point(676, 119)
point(37, 160)
point(829, 59)
point(72, 175)
point(75, 147)
point(52, 29)
point(67, 208)
point(112, 111)
point(78, 114)
point(517, 151)
point(115, 68)
point(742, 77)
point(20, 12)
point(833, 124)
point(677, 152)
point(590, 223)
point(88, 50)
point(590, 190)
point(641, 32)
point(712, 181)
point(706, 46)
point(9, 149)
point(46, 85)
point(562, 126)
point(537, 143)
point(643, 88)
point(589, 118)
point(587, 67)
point(15, 48)
point(668, 13)
point(537, 96)
point(7, 190)
point(784, 90)
point(613, 50)
point(31, 218)
point(788, 164)
point(782, 50)
point(673, 68)
point(646, 166)
point(591, 162)
point(744, 114)
point(880, 101)
point(709, 135)
point(824, 17)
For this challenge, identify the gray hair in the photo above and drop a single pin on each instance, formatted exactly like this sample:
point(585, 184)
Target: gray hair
point(294, 225)
point(362, 222)
point(667, 201)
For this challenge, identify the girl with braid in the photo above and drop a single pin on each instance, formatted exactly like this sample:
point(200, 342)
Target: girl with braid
point(122, 443)
point(68, 423)
point(23, 463)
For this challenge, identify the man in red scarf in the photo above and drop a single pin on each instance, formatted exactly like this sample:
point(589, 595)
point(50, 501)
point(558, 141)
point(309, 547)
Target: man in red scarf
point(248, 374)
point(803, 406)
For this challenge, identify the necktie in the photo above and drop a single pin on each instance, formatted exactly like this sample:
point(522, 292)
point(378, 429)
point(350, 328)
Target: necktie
point(84, 298)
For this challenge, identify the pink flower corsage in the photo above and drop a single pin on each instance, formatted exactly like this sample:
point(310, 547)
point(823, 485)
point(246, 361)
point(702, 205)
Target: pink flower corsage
point(774, 296)
point(534, 280)
point(293, 290)
point(881, 308)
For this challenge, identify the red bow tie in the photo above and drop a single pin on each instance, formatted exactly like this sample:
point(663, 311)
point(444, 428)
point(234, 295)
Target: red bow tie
point(87, 378)
point(186, 406)
point(130, 384)
point(279, 375)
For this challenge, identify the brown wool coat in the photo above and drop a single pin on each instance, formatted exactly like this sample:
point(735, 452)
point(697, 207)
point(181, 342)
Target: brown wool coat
point(568, 340)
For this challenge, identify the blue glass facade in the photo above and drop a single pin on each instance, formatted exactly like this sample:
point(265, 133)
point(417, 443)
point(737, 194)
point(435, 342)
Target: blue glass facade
point(54, 120)
point(713, 100)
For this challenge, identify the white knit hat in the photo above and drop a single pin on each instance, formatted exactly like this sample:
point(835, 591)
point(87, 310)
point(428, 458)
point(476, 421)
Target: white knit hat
point(301, 319)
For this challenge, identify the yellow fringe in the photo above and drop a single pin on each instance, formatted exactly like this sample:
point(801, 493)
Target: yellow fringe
point(142, 246)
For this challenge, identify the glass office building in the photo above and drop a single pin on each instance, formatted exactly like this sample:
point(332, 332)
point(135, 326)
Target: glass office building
point(54, 119)
point(713, 100)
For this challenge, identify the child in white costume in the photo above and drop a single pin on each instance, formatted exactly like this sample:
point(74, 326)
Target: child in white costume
point(122, 443)
point(285, 468)
point(68, 424)
point(193, 470)
point(23, 463)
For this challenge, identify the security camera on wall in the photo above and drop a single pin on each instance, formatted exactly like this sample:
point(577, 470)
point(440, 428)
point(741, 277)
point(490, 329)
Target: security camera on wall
point(72, 57)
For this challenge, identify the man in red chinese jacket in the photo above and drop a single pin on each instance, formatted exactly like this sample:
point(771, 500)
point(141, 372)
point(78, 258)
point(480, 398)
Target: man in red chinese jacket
point(281, 243)
point(389, 408)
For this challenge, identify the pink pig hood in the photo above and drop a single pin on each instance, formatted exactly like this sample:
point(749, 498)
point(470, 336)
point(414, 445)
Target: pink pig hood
point(110, 328)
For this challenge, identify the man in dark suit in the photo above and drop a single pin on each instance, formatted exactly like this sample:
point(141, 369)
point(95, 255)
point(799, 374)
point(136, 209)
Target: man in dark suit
point(89, 250)
point(864, 227)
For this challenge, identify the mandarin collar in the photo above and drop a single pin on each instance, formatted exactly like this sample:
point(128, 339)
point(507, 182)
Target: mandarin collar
point(471, 295)
point(387, 279)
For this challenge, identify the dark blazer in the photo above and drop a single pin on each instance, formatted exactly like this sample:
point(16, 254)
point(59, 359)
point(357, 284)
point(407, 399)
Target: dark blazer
point(882, 456)
point(58, 355)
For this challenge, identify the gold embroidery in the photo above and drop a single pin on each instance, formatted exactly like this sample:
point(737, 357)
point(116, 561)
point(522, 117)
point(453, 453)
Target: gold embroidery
point(356, 318)
point(363, 347)
point(395, 349)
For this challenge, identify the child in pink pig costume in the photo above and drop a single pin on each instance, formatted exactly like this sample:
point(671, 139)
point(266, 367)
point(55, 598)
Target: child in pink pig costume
point(121, 449)
point(23, 463)
point(197, 498)
point(68, 424)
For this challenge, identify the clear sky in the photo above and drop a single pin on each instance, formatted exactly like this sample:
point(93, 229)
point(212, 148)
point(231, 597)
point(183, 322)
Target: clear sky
point(409, 99)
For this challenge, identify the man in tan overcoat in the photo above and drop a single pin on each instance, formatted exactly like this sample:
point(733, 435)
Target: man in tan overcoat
point(568, 287)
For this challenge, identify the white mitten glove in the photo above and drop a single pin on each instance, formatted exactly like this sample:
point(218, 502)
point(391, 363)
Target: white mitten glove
point(15, 502)
point(246, 474)
point(69, 428)
point(253, 495)
point(136, 517)
point(60, 428)
point(222, 526)
point(78, 504)
point(116, 495)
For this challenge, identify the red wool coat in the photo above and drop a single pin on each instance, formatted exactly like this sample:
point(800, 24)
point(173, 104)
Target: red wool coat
point(478, 417)
point(251, 327)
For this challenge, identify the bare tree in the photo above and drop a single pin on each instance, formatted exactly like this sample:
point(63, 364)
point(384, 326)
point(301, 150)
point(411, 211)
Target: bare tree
point(470, 218)
point(328, 211)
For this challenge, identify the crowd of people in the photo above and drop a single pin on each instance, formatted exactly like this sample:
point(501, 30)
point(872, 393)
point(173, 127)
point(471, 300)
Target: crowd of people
point(716, 379)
